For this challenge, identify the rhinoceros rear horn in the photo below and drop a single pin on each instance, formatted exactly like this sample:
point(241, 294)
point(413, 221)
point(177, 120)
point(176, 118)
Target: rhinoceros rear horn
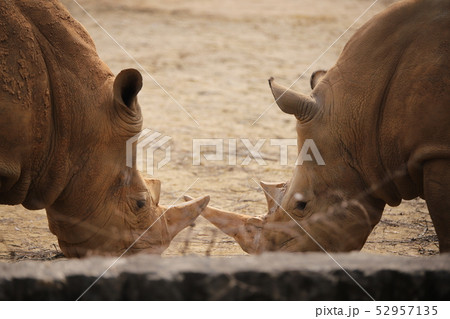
point(274, 193)
point(303, 107)
point(154, 187)
point(127, 85)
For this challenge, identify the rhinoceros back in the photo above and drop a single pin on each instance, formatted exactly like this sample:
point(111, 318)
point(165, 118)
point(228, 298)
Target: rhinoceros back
point(391, 85)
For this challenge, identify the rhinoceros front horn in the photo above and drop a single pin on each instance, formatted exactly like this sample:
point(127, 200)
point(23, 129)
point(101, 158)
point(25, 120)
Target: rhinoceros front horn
point(303, 107)
point(180, 216)
point(246, 230)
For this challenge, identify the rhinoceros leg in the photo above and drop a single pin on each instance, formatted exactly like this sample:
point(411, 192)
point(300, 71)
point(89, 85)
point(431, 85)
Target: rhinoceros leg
point(437, 192)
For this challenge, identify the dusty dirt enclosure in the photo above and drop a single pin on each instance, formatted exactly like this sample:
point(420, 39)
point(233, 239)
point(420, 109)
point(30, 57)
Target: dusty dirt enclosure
point(214, 58)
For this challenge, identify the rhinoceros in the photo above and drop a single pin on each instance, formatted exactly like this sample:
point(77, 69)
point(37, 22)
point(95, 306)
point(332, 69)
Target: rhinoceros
point(380, 118)
point(64, 123)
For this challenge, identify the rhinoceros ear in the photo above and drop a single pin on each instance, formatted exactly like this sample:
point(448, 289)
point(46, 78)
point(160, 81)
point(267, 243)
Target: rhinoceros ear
point(303, 107)
point(127, 85)
point(316, 77)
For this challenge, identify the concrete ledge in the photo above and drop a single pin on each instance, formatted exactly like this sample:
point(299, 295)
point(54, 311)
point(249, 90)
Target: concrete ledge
point(312, 276)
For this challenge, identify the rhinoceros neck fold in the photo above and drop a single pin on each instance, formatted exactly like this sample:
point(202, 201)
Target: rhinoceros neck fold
point(77, 83)
point(79, 225)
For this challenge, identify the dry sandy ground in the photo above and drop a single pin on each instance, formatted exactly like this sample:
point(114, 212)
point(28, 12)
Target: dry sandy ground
point(214, 58)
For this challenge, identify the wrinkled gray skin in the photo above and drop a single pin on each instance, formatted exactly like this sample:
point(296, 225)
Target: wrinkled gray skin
point(380, 119)
point(64, 122)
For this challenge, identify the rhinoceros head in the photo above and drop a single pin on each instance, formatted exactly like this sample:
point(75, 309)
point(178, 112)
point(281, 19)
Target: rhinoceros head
point(107, 207)
point(322, 207)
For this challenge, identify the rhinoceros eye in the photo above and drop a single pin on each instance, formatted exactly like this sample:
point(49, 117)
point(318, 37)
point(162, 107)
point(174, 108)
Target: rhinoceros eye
point(300, 205)
point(140, 203)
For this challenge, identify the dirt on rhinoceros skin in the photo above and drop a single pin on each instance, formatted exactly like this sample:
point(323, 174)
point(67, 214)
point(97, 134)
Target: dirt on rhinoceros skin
point(214, 58)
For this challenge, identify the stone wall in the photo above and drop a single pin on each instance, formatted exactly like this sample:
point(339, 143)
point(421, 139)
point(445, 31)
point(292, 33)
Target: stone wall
point(312, 276)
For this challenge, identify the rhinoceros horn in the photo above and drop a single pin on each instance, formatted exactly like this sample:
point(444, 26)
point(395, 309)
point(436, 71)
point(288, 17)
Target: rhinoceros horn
point(274, 194)
point(246, 230)
point(178, 217)
point(302, 106)
point(182, 215)
point(154, 187)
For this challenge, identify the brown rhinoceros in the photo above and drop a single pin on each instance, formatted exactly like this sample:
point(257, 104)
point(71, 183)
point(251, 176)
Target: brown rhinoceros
point(64, 123)
point(381, 121)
